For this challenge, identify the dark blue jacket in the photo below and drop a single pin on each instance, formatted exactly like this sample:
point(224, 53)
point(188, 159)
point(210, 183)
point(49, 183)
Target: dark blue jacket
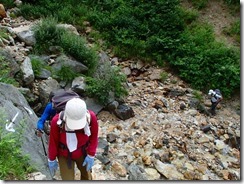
point(47, 114)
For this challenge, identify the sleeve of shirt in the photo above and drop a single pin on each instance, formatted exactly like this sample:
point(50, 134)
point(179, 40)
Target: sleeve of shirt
point(47, 112)
point(53, 139)
point(93, 138)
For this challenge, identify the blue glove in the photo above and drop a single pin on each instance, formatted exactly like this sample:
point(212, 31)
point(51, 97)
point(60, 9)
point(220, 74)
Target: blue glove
point(40, 125)
point(53, 166)
point(89, 162)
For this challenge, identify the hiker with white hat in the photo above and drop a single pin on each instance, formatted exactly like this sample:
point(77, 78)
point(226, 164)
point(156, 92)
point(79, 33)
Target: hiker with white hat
point(73, 139)
point(216, 97)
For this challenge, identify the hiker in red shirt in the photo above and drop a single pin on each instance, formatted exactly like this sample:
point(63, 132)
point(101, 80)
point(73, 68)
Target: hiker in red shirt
point(73, 139)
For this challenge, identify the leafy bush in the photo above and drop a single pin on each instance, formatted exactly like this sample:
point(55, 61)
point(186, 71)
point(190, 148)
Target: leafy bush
point(14, 165)
point(205, 63)
point(47, 34)
point(76, 46)
point(8, 4)
point(160, 31)
point(65, 74)
point(163, 76)
point(199, 4)
point(234, 31)
point(107, 79)
point(36, 66)
point(5, 72)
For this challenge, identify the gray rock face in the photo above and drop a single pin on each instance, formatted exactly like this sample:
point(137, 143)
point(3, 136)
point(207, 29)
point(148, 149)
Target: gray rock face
point(11, 102)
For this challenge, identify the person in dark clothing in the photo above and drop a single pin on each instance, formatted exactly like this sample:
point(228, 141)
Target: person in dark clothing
point(216, 97)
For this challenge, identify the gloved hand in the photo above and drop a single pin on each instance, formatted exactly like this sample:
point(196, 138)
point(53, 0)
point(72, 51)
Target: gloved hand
point(40, 125)
point(89, 162)
point(53, 166)
point(38, 132)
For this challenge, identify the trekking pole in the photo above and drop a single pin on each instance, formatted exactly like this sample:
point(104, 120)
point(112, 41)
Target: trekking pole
point(45, 152)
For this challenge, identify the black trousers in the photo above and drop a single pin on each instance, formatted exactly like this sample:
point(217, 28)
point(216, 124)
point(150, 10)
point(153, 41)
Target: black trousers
point(213, 107)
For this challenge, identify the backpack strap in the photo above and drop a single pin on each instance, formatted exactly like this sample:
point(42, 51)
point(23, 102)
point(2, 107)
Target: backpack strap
point(61, 121)
point(88, 117)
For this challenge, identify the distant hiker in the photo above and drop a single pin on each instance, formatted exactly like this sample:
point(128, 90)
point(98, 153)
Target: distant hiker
point(216, 97)
point(73, 139)
point(48, 113)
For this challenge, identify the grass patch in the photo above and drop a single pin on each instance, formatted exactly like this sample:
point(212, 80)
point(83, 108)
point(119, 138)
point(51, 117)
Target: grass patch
point(14, 165)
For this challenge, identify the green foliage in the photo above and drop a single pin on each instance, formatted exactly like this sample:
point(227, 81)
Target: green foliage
point(199, 4)
point(5, 73)
point(48, 34)
point(163, 76)
point(65, 74)
point(30, 12)
point(198, 95)
point(234, 31)
point(3, 33)
point(107, 79)
point(8, 4)
point(205, 63)
point(76, 46)
point(137, 29)
point(158, 31)
point(63, 11)
point(189, 15)
point(36, 66)
point(14, 165)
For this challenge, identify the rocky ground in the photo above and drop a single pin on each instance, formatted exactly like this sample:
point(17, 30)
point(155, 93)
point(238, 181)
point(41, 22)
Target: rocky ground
point(164, 142)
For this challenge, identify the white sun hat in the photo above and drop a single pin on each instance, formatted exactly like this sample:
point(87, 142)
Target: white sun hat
point(75, 114)
point(210, 92)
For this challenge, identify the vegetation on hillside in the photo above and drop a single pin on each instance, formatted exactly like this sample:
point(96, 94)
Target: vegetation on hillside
point(161, 31)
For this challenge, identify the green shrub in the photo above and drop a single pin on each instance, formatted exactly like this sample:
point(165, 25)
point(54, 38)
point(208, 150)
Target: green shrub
point(65, 74)
point(234, 31)
point(205, 63)
point(3, 33)
point(189, 15)
point(8, 4)
point(199, 4)
point(36, 66)
point(30, 12)
point(160, 31)
point(107, 79)
point(163, 76)
point(14, 165)
point(198, 95)
point(48, 34)
point(76, 46)
point(5, 72)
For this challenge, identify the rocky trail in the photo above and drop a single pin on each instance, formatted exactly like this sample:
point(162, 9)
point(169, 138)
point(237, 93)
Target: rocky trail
point(162, 141)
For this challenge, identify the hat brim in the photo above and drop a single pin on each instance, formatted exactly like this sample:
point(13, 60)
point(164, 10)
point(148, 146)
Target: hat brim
point(75, 124)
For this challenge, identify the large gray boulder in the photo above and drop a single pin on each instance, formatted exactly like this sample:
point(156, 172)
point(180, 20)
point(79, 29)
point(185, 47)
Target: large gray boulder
point(12, 102)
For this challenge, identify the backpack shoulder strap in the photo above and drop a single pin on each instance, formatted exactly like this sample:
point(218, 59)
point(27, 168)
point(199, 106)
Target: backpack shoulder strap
point(88, 117)
point(61, 121)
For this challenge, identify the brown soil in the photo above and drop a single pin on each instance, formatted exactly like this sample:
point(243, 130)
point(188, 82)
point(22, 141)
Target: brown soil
point(218, 14)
